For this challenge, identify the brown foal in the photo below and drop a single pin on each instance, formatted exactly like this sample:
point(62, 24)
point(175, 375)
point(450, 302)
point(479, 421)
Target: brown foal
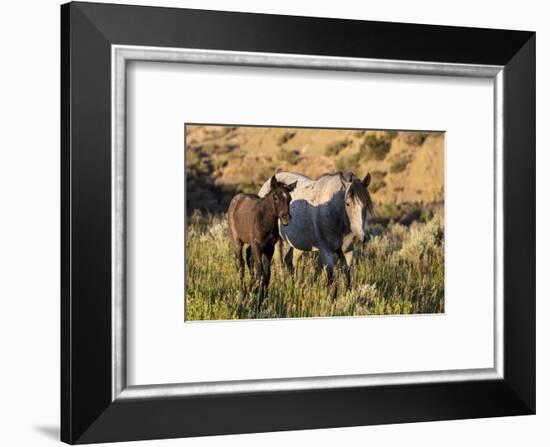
point(253, 220)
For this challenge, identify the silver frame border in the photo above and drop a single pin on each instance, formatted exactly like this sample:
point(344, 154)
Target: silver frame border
point(120, 55)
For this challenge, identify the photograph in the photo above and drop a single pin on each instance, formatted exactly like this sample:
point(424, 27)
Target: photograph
point(296, 222)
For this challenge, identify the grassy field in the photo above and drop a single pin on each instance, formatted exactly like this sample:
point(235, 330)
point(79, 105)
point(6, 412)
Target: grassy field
point(399, 271)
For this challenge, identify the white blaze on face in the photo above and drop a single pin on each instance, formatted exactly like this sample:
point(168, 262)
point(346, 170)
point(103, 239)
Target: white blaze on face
point(357, 217)
point(358, 205)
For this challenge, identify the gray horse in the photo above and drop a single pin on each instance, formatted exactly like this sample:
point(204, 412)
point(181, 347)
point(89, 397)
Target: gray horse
point(328, 215)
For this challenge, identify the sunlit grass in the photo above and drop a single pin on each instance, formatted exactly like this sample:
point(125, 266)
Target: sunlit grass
point(399, 271)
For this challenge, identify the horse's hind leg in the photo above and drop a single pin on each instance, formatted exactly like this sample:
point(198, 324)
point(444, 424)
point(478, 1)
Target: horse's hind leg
point(258, 267)
point(238, 250)
point(266, 261)
point(249, 261)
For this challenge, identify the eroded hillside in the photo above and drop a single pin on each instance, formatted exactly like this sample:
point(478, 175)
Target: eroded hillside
point(406, 167)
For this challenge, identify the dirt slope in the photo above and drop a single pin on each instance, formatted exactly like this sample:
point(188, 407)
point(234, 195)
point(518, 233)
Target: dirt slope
point(406, 167)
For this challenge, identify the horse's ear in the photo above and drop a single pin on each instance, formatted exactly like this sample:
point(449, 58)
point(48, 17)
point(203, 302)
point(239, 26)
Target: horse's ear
point(366, 180)
point(273, 183)
point(291, 187)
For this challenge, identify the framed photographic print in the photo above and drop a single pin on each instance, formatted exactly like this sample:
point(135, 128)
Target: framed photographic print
point(327, 176)
point(276, 223)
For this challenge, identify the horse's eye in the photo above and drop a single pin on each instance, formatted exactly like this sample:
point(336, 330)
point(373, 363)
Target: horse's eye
point(276, 199)
point(348, 203)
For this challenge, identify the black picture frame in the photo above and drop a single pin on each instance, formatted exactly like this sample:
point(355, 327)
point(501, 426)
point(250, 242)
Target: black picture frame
point(88, 413)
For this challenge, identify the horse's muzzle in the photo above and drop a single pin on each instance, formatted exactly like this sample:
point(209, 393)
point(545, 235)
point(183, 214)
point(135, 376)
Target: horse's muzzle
point(361, 240)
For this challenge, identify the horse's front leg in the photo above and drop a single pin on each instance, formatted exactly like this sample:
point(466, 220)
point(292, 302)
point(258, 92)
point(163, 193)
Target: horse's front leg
point(279, 249)
point(345, 266)
point(258, 270)
point(327, 261)
point(295, 258)
point(266, 260)
point(349, 257)
point(266, 275)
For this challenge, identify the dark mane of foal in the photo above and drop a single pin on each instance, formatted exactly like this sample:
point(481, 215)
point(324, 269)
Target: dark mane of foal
point(270, 193)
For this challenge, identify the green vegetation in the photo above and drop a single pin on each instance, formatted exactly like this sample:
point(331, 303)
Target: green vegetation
point(406, 213)
point(373, 147)
point(376, 147)
point(290, 156)
point(349, 163)
point(336, 147)
point(285, 138)
point(377, 181)
point(416, 138)
point(199, 161)
point(399, 164)
point(248, 187)
point(399, 271)
point(390, 211)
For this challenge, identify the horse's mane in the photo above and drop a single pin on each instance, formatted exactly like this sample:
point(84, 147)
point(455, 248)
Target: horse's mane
point(363, 194)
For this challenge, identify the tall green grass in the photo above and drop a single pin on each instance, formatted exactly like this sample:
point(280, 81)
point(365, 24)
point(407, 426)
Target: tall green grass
point(399, 271)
